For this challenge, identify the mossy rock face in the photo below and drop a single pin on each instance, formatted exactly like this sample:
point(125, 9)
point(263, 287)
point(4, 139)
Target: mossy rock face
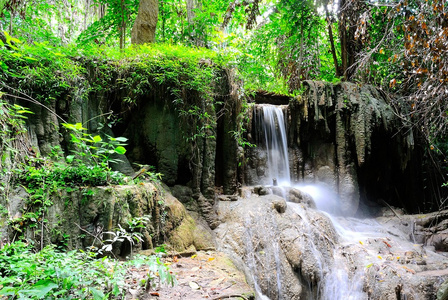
point(80, 219)
point(185, 232)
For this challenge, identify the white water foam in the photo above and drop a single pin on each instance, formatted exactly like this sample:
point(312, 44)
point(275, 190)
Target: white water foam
point(275, 139)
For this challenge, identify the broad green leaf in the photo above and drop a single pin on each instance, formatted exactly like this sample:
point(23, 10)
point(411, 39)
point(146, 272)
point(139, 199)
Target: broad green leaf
point(120, 139)
point(97, 294)
point(41, 288)
point(116, 290)
point(120, 150)
point(97, 139)
point(74, 138)
point(3, 66)
point(8, 290)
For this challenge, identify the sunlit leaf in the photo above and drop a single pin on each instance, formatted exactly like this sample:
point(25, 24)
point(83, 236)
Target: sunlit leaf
point(194, 285)
point(97, 139)
point(120, 150)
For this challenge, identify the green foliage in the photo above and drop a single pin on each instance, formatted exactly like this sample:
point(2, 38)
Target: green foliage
point(39, 71)
point(50, 274)
point(96, 150)
point(12, 128)
point(11, 122)
point(115, 24)
point(42, 177)
point(42, 172)
point(120, 235)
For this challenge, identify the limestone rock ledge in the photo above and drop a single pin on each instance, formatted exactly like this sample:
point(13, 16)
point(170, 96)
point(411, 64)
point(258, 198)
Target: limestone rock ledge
point(302, 253)
point(81, 218)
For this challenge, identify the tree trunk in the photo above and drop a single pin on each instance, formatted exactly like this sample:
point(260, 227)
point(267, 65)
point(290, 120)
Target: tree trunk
point(191, 6)
point(333, 49)
point(122, 25)
point(144, 29)
point(344, 46)
point(228, 15)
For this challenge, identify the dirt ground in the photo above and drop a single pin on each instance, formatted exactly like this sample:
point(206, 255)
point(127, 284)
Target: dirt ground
point(204, 275)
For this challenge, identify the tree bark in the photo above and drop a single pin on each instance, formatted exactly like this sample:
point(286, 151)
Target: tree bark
point(191, 6)
point(343, 36)
point(228, 14)
point(123, 24)
point(333, 49)
point(144, 29)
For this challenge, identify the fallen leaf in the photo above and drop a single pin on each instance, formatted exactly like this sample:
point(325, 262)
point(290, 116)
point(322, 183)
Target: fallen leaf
point(194, 285)
point(211, 258)
point(155, 294)
point(193, 256)
point(387, 244)
point(409, 270)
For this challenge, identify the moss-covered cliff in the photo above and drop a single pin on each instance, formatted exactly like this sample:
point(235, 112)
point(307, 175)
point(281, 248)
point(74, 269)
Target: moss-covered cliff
point(183, 112)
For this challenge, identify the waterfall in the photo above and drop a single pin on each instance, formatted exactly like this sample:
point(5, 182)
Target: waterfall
point(310, 250)
point(336, 280)
point(273, 127)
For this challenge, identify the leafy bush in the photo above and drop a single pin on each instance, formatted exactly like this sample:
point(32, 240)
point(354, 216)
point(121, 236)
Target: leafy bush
point(60, 175)
point(50, 274)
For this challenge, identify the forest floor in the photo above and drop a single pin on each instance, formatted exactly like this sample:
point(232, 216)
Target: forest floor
point(204, 275)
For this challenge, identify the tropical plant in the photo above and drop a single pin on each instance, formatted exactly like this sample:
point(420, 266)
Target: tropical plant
point(50, 274)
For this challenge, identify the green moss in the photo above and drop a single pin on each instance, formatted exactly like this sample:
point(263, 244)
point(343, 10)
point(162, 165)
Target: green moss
point(47, 73)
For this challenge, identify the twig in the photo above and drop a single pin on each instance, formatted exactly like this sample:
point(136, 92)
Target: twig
point(390, 207)
point(95, 236)
point(42, 232)
point(231, 296)
point(32, 100)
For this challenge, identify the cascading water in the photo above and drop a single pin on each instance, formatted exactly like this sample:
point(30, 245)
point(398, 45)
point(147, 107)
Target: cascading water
point(272, 123)
point(333, 258)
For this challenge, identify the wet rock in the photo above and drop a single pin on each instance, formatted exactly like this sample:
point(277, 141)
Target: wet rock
point(279, 205)
point(298, 196)
point(430, 229)
point(227, 197)
point(439, 241)
point(261, 190)
point(305, 249)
